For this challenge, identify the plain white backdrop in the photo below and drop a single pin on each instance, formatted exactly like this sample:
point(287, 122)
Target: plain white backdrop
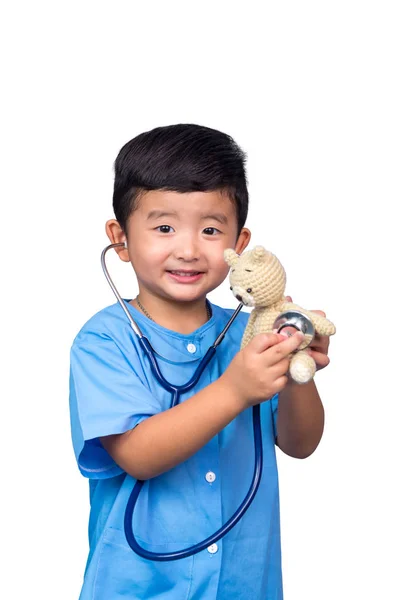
point(310, 90)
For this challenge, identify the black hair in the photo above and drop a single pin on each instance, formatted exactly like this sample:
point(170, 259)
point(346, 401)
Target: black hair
point(180, 158)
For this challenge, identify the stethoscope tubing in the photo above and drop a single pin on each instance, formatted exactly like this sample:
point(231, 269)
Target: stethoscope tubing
point(215, 537)
point(176, 394)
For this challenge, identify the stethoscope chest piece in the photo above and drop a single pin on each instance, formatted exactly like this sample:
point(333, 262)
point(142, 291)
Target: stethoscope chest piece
point(294, 320)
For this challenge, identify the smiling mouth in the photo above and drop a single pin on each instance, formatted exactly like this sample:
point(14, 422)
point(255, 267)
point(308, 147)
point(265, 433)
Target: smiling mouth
point(186, 273)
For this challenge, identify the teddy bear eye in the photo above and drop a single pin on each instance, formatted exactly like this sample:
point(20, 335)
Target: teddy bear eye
point(231, 288)
point(248, 290)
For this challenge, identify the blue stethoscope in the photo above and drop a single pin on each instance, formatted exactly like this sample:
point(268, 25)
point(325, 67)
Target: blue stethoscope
point(176, 392)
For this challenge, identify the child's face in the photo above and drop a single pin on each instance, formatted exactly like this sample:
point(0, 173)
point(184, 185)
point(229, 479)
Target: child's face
point(176, 242)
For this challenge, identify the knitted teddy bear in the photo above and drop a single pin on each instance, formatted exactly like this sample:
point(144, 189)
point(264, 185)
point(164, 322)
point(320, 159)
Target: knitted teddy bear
point(258, 279)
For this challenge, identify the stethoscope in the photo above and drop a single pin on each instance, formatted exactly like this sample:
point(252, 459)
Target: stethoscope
point(176, 392)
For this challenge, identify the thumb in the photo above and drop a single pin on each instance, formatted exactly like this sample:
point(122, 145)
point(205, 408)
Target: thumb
point(262, 341)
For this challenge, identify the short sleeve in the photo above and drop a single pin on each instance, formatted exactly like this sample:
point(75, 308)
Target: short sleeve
point(107, 397)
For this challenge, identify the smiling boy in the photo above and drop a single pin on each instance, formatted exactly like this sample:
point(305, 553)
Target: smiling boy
point(180, 199)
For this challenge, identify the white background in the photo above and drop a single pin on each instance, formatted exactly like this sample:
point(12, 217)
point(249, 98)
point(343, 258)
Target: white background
point(310, 90)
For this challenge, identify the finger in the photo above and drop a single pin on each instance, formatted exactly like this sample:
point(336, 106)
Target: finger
point(280, 384)
point(288, 330)
point(320, 343)
point(288, 298)
point(279, 351)
point(319, 312)
point(263, 341)
point(280, 368)
point(321, 360)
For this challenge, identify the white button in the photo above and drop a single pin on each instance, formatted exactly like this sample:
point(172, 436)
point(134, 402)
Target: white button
point(191, 348)
point(210, 476)
point(213, 548)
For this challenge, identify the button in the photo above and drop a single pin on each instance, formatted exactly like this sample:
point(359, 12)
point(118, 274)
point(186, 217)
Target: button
point(210, 477)
point(191, 348)
point(212, 549)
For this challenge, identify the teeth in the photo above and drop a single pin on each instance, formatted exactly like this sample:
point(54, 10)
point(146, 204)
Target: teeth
point(185, 274)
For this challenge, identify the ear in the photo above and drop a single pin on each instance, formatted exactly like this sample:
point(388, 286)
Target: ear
point(230, 256)
point(243, 240)
point(117, 236)
point(259, 253)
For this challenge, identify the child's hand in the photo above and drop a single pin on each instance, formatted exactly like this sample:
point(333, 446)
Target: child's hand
point(318, 348)
point(258, 372)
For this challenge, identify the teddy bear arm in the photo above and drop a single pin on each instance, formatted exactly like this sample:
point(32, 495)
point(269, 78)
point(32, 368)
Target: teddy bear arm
point(322, 325)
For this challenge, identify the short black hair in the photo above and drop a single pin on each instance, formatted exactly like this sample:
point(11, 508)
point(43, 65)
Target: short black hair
point(179, 158)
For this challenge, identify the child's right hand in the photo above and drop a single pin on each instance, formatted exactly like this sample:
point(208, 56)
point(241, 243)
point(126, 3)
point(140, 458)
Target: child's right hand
point(258, 372)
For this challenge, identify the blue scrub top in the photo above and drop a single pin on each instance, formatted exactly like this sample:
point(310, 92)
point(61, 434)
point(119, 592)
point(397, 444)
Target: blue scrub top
point(112, 390)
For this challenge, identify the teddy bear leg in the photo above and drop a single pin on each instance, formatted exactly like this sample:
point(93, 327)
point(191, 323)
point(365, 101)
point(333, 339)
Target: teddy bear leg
point(302, 367)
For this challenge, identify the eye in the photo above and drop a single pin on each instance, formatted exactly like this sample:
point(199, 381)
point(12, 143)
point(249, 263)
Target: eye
point(164, 228)
point(211, 231)
point(231, 288)
point(249, 290)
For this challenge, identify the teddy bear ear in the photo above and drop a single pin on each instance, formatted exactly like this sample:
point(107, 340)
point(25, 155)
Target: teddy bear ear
point(259, 253)
point(230, 256)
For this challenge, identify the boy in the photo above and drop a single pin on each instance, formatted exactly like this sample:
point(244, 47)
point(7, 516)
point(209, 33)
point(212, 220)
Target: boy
point(180, 199)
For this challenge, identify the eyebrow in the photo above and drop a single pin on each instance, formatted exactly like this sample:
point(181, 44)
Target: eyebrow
point(158, 214)
point(220, 217)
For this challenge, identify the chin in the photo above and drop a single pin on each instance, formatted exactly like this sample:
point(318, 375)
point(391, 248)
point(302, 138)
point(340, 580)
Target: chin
point(187, 295)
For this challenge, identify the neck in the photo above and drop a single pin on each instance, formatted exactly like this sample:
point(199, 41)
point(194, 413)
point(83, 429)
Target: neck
point(182, 317)
point(276, 306)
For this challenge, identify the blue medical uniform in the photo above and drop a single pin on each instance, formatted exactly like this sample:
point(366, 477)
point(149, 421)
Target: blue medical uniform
point(112, 390)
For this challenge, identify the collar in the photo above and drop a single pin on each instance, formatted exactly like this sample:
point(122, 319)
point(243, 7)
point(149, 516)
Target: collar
point(173, 347)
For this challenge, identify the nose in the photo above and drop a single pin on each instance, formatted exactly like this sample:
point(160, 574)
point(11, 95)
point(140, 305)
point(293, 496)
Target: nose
point(186, 249)
point(239, 297)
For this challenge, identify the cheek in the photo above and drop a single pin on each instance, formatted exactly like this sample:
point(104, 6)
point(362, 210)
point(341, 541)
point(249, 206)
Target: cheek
point(215, 256)
point(220, 266)
point(148, 254)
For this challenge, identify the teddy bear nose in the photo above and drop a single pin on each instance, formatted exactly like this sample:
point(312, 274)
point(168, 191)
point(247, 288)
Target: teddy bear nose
point(239, 297)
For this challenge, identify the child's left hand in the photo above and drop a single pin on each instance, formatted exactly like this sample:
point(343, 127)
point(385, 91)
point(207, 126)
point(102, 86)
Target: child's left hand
point(318, 349)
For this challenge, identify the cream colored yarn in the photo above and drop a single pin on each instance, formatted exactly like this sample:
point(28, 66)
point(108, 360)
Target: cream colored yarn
point(258, 279)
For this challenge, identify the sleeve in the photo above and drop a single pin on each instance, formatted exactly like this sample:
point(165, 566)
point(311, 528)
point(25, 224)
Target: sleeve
point(107, 397)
